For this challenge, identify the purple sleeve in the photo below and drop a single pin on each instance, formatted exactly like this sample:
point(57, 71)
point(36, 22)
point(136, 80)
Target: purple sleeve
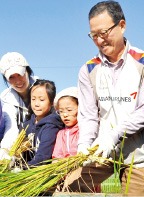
point(1, 122)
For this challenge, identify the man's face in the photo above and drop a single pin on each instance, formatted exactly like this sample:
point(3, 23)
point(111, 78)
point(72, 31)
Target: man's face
point(110, 44)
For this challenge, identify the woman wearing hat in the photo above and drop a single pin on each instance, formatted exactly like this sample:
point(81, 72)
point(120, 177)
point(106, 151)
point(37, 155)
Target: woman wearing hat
point(15, 99)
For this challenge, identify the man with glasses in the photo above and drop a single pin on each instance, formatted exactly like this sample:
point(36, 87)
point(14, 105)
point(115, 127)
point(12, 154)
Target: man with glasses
point(111, 104)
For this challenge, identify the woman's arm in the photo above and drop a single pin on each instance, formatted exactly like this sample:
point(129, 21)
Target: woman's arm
point(11, 130)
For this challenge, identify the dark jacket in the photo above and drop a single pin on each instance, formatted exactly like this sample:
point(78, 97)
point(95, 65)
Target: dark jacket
point(1, 123)
point(44, 136)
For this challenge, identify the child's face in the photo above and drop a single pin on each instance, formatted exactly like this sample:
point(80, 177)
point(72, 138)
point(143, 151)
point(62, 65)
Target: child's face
point(40, 103)
point(68, 110)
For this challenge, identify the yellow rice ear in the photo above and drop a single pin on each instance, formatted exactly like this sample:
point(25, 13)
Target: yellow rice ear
point(18, 142)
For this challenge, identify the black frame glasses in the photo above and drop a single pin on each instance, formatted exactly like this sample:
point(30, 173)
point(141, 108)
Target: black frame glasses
point(103, 33)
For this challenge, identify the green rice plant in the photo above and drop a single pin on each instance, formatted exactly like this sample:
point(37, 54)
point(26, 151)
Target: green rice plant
point(129, 175)
point(111, 185)
point(121, 160)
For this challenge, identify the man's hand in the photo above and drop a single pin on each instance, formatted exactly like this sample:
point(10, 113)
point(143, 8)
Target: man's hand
point(82, 148)
point(106, 146)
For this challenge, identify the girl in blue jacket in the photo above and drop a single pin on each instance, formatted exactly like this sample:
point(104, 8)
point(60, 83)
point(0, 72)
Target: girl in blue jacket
point(44, 123)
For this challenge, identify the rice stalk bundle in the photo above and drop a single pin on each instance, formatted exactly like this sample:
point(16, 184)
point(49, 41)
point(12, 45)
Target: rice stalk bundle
point(41, 179)
point(18, 142)
point(14, 151)
point(25, 145)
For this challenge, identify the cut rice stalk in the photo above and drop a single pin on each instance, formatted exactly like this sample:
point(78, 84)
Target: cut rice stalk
point(18, 142)
point(37, 180)
point(5, 163)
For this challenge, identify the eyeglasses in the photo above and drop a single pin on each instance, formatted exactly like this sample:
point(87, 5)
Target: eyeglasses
point(102, 34)
point(69, 112)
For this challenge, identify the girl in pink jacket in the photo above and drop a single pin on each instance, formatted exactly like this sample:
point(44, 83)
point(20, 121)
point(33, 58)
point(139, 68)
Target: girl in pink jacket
point(66, 103)
point(67, 107)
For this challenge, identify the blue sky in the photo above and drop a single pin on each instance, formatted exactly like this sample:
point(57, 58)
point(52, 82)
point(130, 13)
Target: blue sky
point(52, 35)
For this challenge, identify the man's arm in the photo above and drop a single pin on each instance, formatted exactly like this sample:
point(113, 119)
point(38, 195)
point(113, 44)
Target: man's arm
point(88, 110)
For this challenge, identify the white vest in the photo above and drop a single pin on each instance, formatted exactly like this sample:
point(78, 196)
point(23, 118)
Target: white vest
point(117, 102)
